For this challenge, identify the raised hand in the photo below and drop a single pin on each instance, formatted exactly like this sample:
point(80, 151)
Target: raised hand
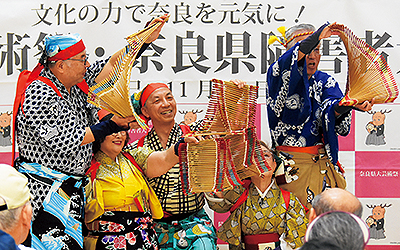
point(156, 33)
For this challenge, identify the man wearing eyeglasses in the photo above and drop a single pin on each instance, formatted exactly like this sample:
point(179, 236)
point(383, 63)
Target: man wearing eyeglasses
point(55, 128)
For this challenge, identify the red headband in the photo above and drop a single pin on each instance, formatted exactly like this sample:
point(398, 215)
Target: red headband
point(68, 52)
point(150, 89)
point(62, 55)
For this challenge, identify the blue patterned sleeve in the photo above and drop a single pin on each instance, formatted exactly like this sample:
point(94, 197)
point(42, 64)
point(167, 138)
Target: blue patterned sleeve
point(287, 90)
point(331, 96)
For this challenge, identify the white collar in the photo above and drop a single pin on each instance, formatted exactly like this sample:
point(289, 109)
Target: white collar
point(263, 194)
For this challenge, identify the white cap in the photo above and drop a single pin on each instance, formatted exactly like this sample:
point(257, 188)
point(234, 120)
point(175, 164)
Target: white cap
point(14, 191)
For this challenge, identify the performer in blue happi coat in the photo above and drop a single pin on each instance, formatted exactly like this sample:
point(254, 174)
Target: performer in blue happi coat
point(304, 115)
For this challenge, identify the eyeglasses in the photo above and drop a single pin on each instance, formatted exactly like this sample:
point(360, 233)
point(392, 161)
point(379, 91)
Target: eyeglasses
point(120, 133)
point(81, 60)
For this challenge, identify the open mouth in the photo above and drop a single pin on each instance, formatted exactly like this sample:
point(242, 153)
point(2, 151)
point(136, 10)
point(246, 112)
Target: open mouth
point(166, 112)
point(117, 142)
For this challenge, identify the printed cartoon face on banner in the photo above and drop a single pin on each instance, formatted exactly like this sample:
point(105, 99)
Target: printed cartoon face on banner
point(190, 116)
point(376, 130)
point(375, 221)
point(5, 120)
point(5, 129)
point(379, 117)
point(378, 214)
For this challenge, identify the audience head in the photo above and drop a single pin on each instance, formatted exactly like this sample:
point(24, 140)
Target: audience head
point(15, 206)
point(320, 244)
point(335, 199)
point(343, 229)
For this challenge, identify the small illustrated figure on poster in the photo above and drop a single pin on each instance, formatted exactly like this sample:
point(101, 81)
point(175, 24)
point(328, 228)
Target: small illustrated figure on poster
point(5, 129)
point(376, 221)
point(189, 116)
point(375, 128)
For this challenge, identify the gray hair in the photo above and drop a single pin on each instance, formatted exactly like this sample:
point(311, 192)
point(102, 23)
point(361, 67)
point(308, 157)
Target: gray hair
point(322, 205)
point(9, 217)
point(340, 228)
point(294, 30)
point(319, 244)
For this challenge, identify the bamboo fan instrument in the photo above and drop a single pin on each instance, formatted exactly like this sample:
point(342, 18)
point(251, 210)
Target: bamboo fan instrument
point(112, 93)
point(368, 75)
point(234, 153)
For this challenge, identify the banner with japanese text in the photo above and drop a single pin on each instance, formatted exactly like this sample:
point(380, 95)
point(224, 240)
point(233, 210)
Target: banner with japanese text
point(225, 40)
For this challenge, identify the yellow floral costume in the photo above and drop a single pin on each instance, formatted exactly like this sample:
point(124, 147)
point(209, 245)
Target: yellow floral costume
point(121, 194)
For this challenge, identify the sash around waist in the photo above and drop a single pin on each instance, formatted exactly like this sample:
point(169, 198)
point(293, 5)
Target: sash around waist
point(21, 161)
point(169, 218)
point(121, 222)
point(256, 239)
point(314, 150)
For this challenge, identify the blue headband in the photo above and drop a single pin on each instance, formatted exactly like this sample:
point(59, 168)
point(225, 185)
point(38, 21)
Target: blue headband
point(57, 43)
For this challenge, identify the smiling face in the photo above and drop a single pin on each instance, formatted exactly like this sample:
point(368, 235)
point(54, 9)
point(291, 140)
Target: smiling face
point(160, 107)
point(70, 71)
point(113, 144)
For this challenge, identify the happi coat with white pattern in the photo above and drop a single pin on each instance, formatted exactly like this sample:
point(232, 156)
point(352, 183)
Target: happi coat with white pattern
point(301, 110)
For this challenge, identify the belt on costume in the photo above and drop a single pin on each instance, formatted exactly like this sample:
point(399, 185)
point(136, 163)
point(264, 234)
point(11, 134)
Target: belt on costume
point(118, 218)
point(314, 150)
point(169, 218)
point(252, 241)
point(21, 160)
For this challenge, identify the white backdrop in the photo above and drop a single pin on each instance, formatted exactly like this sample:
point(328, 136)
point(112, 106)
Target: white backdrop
point(224, 40)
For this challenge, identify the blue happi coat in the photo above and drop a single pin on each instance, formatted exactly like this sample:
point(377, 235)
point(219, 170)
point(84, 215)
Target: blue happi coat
point(301, 110)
